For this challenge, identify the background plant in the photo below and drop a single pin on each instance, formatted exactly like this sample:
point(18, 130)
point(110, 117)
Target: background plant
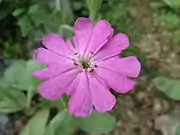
point(167, 15)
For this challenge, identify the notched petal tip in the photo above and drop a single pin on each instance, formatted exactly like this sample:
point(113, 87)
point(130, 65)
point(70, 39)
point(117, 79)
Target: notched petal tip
point(123, 40)
point(138, 66)
point(49, 37)
point(81, 22)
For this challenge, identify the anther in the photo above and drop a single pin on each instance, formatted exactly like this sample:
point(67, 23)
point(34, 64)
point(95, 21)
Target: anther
point(91, 54)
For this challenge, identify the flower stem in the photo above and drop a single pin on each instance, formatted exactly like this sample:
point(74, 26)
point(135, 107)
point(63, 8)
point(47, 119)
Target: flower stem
point(57, 5)
point(63, 104)
point(92, 16)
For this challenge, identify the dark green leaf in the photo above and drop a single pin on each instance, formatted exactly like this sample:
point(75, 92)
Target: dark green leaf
point(169, 86)
point(96, 122)
point(37, 125)
point(26, 26)
point(38, 15)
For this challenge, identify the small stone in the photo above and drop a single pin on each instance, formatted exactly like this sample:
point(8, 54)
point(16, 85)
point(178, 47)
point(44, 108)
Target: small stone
point(157, 106)
point(4, 120)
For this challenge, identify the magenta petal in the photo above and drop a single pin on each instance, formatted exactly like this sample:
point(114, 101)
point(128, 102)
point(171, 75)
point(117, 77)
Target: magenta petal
point(103, 100)
point(113, 47)
point(100, 35)
point(73, 86)
point(54, 88)
point(80, 104)
point(47, 57)
point(129, 66)
point(83, 28)
point(119, 83)
point(53, 70)
point(55, 43)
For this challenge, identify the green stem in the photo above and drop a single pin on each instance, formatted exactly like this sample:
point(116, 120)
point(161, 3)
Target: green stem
point(29, 98)
point(67, 27)
point(57, 5)
point(92, 16)
point(63, 104)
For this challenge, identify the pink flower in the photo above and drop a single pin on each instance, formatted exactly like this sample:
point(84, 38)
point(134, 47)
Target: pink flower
point(87, 69)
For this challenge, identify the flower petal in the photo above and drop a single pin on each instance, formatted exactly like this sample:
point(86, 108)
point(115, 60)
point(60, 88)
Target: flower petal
point(54, 88)
point(83, 28)
point(73, 86)
point(114, 46)
point(100, 35)
point(47, 57)
point(129, 66)
point(80, 104)
point(102, 98)
point(55, 43)
point(53, 70)
point(119, 83)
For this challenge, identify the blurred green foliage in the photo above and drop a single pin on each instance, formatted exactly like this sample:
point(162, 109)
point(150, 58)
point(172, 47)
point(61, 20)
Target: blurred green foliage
point(167, 16)
point(15, 50)
point(118, 15)
point(25, 22)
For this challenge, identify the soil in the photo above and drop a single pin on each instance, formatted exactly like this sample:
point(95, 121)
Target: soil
point(137, 111)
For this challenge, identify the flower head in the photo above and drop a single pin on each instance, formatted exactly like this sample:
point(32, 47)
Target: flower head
point(87, 70)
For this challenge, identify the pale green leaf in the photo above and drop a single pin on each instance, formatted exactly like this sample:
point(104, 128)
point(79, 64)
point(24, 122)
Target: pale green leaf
point(27, 80)
point(33, 9)
point(97, 123)
point(37, 125)
point(11, 100)
point(12, 76)
point(18, 11)
point(177, 131)
point(170, 87)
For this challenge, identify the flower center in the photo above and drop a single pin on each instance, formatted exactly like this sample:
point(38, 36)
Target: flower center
point(84, 63)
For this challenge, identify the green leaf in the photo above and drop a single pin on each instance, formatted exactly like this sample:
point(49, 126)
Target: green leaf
point(62, 124)
point(37, 14)
point(27, 79)
point(18, 11)
point(96, 122)
point(169, 86)
point(172, 3)
point(33, 9)
point(177, 130)
point(24, 70)
point(11, 100)
point(168, 20)
point(26, 26)
point(37, 125)
point(11, 75)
